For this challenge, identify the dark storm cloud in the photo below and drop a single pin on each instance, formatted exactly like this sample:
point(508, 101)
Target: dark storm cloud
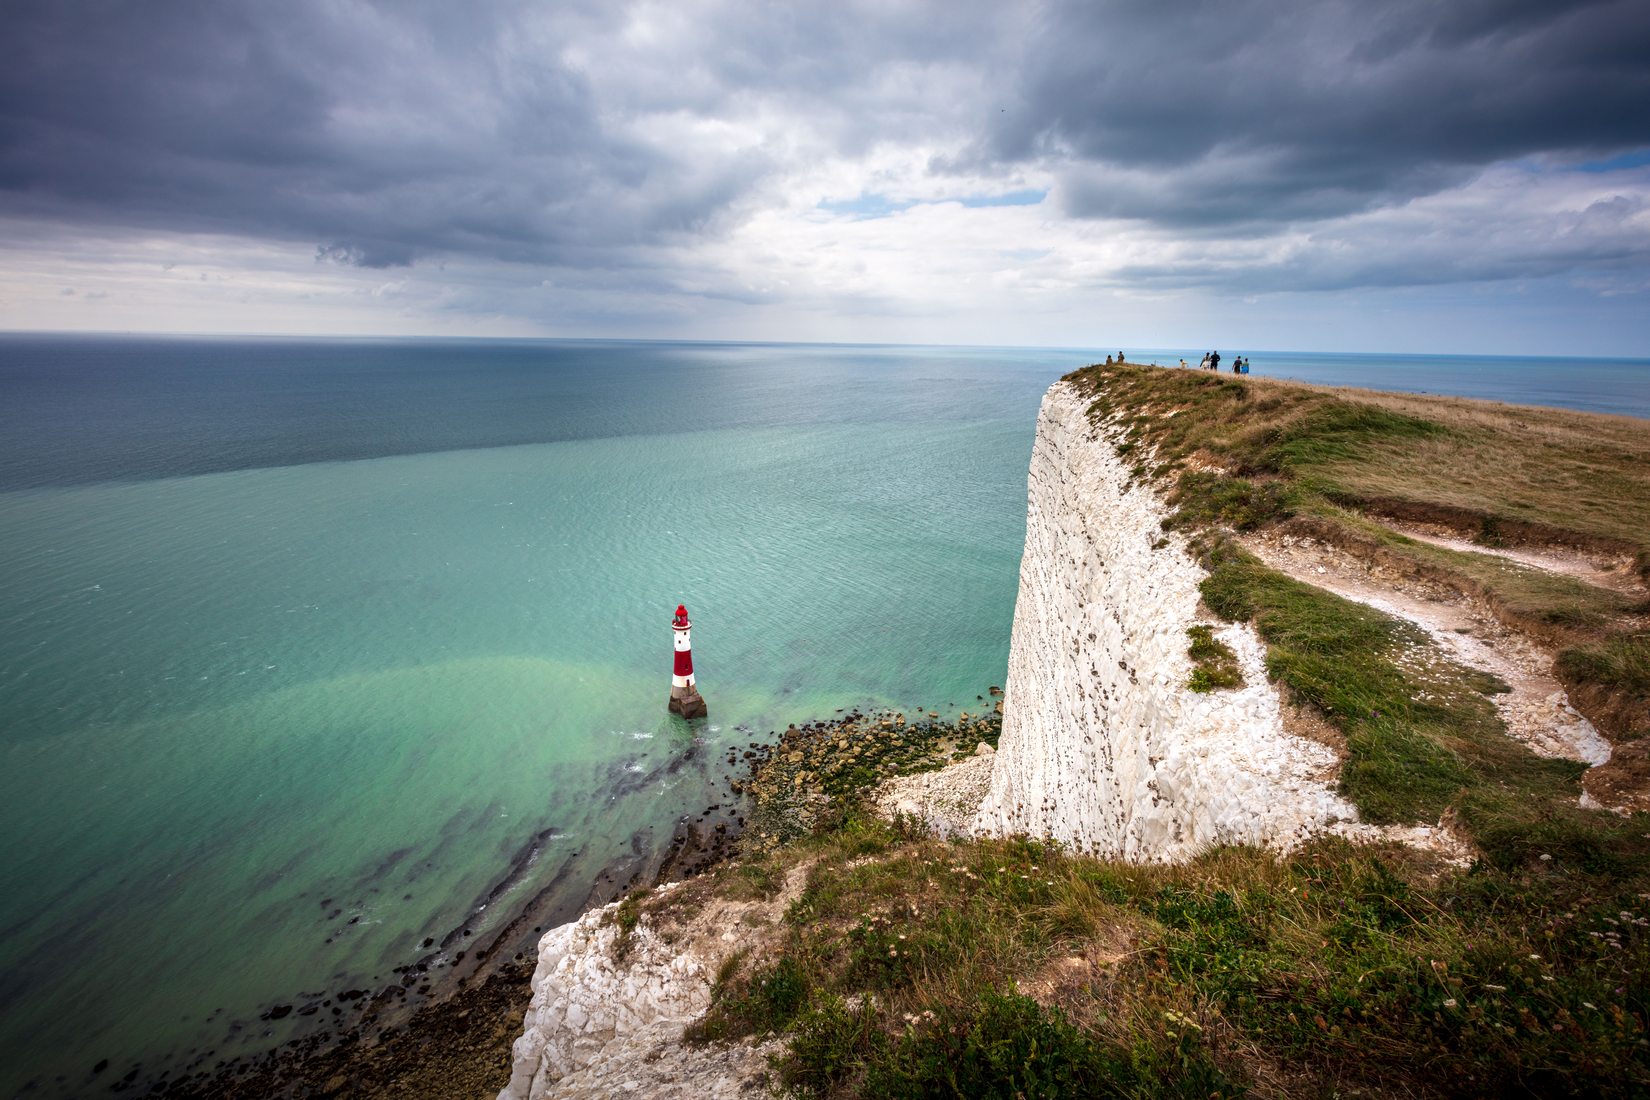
point(1222, 113)
point(580, 135)
point(382, 133)
point(379, 134)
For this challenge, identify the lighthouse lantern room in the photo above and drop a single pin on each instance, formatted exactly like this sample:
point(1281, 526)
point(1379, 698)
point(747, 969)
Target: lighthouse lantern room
point(684, 690)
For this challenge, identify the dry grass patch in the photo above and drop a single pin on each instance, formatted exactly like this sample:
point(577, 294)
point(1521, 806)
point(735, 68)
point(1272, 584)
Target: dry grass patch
point(1248, 454)
point(1581, 479)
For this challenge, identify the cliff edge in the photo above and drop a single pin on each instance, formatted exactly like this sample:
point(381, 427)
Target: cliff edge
point(1321, 770)
point(1106, 747)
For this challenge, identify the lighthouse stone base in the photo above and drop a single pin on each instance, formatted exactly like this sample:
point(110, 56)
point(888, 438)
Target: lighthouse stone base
point(687, 702)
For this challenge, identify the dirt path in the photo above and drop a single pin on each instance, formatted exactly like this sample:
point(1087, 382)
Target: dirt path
point(1603, 571)
point(1537, 711)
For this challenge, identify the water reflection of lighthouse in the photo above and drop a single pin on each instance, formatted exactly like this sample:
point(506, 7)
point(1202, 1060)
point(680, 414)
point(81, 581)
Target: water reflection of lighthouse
point(684, 690)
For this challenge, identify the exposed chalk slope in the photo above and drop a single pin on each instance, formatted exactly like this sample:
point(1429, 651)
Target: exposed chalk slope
point(1104, 745)
point(585, 1001)
point(609, 1008)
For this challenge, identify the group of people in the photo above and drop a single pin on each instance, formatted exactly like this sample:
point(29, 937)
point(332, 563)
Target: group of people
point(1240, 365)
point(1211, 361)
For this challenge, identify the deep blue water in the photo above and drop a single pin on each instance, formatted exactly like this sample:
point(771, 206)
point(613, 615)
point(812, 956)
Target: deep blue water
point(89, 409)
point(1592, 385)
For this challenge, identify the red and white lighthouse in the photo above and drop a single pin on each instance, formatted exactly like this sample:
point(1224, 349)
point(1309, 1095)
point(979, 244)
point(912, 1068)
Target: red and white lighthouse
point(684, 690)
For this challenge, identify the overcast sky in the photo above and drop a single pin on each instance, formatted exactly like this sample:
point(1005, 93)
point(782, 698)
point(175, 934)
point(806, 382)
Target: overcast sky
point(1420, 175)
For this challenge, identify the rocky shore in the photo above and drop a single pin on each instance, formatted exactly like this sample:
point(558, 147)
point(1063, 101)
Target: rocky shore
point(457, 1047)
point(815, 773)
point(443, 1029)
point(615, 991)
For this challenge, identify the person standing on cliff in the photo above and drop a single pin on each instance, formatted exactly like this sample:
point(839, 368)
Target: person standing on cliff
point(1214, 361)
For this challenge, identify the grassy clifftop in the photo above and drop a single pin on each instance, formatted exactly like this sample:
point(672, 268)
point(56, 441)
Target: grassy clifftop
point(1510, 471)
point(1249, 453)
point(912, 966)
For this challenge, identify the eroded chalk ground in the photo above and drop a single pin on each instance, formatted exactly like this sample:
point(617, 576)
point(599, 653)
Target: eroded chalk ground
point(1536, 710)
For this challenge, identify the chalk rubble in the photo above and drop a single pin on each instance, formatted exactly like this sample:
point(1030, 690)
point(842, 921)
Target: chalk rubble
point(605, 1026)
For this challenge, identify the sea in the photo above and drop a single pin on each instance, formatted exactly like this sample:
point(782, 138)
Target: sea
point(321, 660)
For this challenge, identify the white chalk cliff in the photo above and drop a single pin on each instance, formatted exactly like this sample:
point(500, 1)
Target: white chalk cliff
point(1104, 745)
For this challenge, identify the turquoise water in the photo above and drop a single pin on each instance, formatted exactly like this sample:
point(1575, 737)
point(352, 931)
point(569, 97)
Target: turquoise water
point(237, 701)
point(312, 652)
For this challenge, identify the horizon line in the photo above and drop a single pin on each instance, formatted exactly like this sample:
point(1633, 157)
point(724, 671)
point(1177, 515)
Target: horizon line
point(320, 337)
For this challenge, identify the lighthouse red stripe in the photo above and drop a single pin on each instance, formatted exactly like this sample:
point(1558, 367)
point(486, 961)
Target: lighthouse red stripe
point(684, 663)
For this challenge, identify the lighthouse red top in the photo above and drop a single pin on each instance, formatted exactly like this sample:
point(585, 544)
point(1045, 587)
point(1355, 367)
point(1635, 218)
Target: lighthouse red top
point(684, 658)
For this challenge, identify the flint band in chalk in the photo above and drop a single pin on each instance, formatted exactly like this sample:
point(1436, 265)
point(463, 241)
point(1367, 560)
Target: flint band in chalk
point(684, 690)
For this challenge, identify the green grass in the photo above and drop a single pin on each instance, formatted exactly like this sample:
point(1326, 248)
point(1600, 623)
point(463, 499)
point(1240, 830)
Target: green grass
point(1008, 1046)
point(626, 917)
point(1248, 431)
point(1201, 498)
point(1248, 454)
point(760, 1005)
point(913, 967)
point(1503, 468)
point(1009, 967)
point(1333, 432)
point(1216, 663)
point(1621, 662)
point(1402, 765)
point(1423, 739)
point(1615, 673)
point(1549, 603)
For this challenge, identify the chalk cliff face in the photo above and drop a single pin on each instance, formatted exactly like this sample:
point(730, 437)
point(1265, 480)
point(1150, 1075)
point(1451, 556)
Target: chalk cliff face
point(1104, 746)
